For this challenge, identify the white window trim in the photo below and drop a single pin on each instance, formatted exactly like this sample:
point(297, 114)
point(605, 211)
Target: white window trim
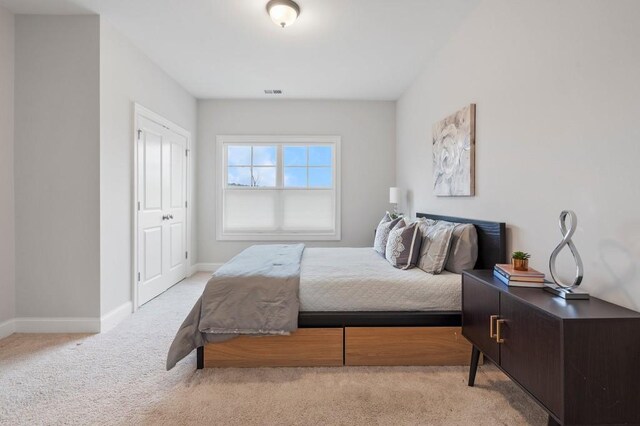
point(221, 140)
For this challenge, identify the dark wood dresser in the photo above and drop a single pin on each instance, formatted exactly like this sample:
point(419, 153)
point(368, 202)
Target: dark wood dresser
point(580, 359)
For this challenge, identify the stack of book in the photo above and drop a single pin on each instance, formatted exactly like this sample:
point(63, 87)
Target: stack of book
point(515, 278)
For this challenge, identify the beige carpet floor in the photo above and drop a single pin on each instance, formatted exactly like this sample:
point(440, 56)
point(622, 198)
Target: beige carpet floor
point(119, 378)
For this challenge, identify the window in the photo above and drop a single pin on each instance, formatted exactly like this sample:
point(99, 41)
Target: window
point(278, 188)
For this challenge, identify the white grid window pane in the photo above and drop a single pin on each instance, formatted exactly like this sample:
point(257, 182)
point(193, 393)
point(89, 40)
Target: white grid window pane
point(264, 177)
point(295, 155)
point(320, 156)
point(239, 156)
point(295, 177)
point(264, 156)
point(239, 176)
point(320, 177)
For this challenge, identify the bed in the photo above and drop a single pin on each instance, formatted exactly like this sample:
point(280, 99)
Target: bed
point(355, 309)
point(341, 279)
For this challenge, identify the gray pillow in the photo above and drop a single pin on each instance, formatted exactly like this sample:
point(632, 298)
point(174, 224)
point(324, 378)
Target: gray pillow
point(463, 253)
point(435, 247)
point(382, 233)
point(403, 246)
point(424, 224)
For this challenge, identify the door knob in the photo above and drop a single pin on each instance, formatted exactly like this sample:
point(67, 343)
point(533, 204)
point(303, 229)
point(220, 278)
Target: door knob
point(170, 216)
point(165, 217)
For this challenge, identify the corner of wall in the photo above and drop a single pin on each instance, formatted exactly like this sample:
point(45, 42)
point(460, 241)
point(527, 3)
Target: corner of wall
point(7, 181)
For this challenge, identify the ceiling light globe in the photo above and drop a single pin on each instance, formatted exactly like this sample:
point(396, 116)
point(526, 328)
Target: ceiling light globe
point(283, 12)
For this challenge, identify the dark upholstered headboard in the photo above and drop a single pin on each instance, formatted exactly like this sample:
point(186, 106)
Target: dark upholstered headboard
point(492, 241)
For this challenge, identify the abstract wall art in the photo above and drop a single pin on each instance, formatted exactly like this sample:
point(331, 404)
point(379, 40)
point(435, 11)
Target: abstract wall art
point(454, 154)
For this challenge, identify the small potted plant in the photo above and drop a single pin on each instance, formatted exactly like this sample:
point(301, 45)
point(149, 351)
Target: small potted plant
point(520, 260)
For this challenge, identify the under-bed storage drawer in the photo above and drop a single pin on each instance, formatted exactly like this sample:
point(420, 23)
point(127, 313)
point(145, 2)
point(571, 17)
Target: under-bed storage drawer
point(307, 347)
point(406, 346)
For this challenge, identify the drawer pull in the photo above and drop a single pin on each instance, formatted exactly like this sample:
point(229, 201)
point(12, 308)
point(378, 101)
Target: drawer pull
point(499, 323)
point(492, 320)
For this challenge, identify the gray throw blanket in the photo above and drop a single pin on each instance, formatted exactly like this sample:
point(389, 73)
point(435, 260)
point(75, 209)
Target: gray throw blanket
point(255, 293)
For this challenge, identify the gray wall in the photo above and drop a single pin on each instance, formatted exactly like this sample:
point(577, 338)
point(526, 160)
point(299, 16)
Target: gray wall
point(368, 159)
point(7, 218)
point(556, 86)
point(57, 166)
point(127, 76)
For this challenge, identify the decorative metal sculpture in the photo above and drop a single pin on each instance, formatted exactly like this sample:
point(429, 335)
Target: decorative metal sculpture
point(563, 289)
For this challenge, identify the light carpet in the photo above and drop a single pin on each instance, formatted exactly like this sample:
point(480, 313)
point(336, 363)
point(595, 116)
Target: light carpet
point(119, 378)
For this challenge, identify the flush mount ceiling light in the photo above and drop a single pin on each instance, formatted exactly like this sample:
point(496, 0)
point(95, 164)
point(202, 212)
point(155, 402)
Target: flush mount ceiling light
point(283, 12)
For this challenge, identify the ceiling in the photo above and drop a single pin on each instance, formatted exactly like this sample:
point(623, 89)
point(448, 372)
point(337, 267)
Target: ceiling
point(338, 49)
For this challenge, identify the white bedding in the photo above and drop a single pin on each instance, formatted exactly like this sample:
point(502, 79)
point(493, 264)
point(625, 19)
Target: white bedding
point(359, 279)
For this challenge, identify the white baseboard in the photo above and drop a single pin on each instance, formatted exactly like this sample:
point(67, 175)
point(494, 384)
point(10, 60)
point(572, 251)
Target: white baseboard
point(115, 317)
point(57, 325)
point(7, 328)
point(204, 267)
point(82, 325)
point(69, 324)
point(192, 269)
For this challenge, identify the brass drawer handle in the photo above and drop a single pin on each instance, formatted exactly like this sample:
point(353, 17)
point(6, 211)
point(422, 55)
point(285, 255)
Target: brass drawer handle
point(492, 320)
point(499, 323)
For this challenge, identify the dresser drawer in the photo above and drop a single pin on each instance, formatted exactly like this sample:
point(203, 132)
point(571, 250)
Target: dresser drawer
point(405, 346)
point(307, 347)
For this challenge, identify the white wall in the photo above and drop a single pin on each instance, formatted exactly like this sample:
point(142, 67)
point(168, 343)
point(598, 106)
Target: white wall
point(557, 92)
point(7, 205)
point(368, 165)
point(127, 76)
point(57, 120)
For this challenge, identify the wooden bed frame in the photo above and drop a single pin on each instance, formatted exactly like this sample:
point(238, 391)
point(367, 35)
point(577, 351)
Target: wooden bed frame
point(365, 338)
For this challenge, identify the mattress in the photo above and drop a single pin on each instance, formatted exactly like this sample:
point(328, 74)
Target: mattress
point(359, 279)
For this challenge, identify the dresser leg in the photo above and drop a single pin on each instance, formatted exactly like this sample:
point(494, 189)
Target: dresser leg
point(552, 422)
point(475, 357)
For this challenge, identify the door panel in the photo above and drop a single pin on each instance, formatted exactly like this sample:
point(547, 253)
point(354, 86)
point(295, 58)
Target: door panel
point(177, 166)
point(162, 184)
point(530, 353)
point(152, 164)
point(177, 249)
point(176, 146)
point(153, 253)
point(479, 303)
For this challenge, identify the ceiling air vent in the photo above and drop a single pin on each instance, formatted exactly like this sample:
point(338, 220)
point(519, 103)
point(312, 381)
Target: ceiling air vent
point(273, 92)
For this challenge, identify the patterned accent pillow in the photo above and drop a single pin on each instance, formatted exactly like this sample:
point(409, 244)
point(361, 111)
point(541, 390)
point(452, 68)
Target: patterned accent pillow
point(435, 247)
point(382, 233)
point(403, 246)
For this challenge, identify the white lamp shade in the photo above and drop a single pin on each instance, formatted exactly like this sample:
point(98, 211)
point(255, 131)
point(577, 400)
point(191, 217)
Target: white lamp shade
point(394, 195)
point(283, 13)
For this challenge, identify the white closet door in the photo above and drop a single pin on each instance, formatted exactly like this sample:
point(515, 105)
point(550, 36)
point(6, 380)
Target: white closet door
point(162, 188)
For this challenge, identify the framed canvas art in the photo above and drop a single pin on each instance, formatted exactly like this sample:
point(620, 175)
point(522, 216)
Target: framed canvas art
point(454, 144)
